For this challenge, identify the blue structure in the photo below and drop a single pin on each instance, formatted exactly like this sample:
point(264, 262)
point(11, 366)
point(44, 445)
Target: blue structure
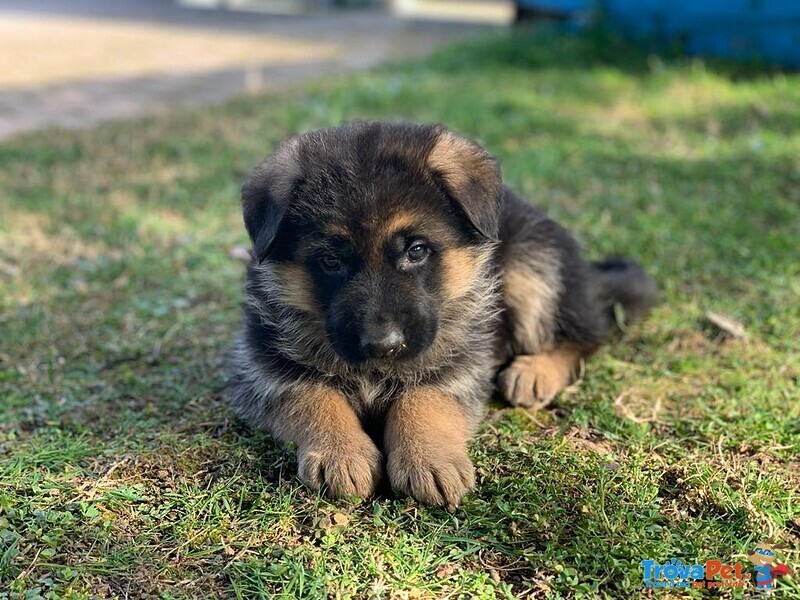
point(768, 30)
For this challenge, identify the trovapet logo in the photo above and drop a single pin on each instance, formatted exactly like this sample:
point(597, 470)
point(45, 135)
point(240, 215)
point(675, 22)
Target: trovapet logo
point(676, 574)
point(715, 573)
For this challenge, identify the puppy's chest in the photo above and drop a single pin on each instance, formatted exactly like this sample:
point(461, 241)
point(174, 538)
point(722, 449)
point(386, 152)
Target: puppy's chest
point(371, 396)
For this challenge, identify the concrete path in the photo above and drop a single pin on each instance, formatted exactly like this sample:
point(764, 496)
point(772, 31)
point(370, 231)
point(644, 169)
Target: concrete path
point(75, 63)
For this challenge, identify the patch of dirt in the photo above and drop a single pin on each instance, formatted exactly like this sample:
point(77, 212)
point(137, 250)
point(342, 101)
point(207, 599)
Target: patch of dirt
point(682, 499)
point(589, 440)
point(690, 342)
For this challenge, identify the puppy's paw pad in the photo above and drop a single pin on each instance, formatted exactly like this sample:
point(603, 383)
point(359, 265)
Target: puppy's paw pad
point(342, 468)
point(532, 381)
point(438, 476)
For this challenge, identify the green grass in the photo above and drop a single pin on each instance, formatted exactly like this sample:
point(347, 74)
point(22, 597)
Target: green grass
point(123, 473)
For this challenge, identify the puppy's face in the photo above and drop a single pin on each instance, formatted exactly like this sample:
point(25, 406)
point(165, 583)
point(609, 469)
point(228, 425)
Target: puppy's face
point(376, 270)
point(372, 238)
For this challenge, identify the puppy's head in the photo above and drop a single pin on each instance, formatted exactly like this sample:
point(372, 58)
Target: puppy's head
point(374, 228)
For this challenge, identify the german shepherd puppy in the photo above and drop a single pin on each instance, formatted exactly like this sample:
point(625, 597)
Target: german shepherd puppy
point(395, 283)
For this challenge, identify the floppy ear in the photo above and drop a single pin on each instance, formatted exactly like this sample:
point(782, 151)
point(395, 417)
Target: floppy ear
point(266, 196)
point(472, 178)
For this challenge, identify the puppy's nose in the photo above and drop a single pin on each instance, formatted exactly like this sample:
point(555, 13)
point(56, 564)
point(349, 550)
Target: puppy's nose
point(383, 343)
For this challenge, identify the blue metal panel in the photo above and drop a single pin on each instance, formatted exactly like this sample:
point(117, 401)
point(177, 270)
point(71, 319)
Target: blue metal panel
point(766, 29)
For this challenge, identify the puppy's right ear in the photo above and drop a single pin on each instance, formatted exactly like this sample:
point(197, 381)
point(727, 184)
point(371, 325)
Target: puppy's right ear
point(267, 194)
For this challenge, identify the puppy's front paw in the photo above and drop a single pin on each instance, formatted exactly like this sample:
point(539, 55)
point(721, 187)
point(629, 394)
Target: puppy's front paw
point(434, 473)
point(532, 381)
point(342, 467)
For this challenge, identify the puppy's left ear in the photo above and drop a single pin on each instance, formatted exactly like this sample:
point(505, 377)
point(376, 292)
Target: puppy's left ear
point(266, 196)
point(472, 178)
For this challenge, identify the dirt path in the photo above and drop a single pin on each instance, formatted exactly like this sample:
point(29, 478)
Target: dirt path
point(80, 62)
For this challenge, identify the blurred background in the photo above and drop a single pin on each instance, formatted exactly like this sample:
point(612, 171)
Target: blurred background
point(73, 63)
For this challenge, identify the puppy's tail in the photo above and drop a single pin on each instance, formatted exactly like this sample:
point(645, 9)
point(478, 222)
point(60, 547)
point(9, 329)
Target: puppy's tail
point(623, 282)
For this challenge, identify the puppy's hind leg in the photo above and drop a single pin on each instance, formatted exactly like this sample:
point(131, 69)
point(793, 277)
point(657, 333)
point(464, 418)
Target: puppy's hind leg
point(553, 320)
point(547, 355)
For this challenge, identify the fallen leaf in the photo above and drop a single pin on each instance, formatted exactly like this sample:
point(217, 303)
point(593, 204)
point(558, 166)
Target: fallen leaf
point(727, 325)
point(445, 571)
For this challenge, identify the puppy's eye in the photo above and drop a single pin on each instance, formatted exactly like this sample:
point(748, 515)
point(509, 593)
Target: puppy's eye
point(331, 264)
point(417, 253)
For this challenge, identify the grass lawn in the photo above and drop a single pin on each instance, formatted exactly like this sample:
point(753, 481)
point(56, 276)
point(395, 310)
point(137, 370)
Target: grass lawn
point(122, 472)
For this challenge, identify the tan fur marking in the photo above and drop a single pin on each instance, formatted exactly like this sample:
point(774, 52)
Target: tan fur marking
point(426, 442)
point(534, 380)
point(336, 230)
point(462, 163)
point(450, 156)
point(333, 451)
point(294, 286)
point(383, 231)
point(460, 267)
point(397, 222)
point(531, 298)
